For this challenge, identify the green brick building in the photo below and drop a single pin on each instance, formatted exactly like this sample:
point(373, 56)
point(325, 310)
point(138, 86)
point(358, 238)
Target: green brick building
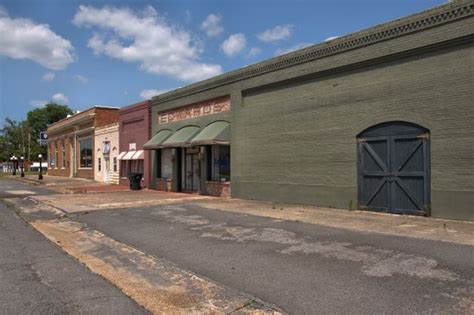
point(381, 119)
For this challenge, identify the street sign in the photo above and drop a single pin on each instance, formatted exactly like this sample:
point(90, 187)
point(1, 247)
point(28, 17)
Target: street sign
point(43, 138)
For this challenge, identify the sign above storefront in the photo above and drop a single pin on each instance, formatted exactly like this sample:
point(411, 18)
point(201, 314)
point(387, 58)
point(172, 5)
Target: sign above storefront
point(209, 107)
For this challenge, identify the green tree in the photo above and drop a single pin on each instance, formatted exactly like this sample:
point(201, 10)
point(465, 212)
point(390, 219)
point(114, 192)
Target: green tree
point(13, 139)
point(38, 120)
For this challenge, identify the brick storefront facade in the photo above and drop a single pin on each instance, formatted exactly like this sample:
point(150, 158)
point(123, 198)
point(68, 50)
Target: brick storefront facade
point(296, 119)
point(66, 136)
point(134, 131)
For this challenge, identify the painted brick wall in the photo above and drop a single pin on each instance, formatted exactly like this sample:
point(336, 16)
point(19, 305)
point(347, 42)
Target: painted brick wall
point(294, 130)
point(298, 142)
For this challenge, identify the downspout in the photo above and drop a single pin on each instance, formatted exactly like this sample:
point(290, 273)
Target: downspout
point(74, 173)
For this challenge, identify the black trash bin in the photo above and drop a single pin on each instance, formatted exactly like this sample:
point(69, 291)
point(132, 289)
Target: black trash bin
point(135, 180)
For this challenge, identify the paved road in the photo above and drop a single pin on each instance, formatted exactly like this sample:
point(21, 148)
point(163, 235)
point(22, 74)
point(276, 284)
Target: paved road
point(13, 189)
point(36, 277)
point(303, 268)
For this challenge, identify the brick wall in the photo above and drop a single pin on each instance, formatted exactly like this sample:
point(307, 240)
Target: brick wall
point(218, 189)
point(164, 184)
point(294, 129)
point(134, 127)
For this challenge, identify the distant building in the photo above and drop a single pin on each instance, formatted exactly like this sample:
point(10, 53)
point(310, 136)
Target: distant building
point(71, 145)
point(34, 167)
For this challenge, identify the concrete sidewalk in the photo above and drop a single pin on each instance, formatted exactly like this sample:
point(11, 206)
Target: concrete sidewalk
point(459, 232)
point(68, 185)
point(117, 199)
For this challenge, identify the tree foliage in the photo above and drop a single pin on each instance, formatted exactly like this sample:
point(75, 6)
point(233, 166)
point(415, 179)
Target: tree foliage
point(20, 138)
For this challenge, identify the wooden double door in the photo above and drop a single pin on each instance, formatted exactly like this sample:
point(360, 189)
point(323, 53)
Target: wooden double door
point(394, 168)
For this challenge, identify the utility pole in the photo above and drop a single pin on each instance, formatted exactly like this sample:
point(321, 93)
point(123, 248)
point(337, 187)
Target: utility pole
point(29, 145)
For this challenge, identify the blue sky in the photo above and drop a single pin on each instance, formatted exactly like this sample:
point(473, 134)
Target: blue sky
point(116, 53)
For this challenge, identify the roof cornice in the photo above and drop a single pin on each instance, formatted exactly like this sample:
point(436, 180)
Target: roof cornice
point(413, 23)
point(70, 122)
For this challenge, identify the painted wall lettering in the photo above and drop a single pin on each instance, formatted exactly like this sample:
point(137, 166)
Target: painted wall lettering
point(217, 105)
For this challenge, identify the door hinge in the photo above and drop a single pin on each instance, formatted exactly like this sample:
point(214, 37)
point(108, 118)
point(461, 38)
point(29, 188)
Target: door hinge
point(424, 136)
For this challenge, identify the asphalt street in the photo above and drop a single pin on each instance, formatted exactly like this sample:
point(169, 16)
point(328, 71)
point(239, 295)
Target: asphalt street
point(37, 277)
point(302, 268)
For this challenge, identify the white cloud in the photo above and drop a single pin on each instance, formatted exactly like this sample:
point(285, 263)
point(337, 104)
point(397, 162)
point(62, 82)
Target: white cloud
point(148, 94)
point(277, 33)
point(212, 25)
point(3, 11)
point(147, 39)
point(282, 51)
point(23, 39)
point(48, 77)
point(331, 38)
point(38, 103)
point(234, 44)
point(60, 98)
point(254, 51)
point(81, 78)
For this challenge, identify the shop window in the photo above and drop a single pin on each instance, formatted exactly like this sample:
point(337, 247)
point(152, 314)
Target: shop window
point(220, 163)
point(99, 164)
point(136, 166)
point(85, 147)
point(166, 167)
point(130, 166)
point(115, 164)
point(124, 168)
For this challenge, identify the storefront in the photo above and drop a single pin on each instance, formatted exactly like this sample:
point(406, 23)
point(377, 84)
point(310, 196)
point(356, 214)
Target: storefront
point(134, 131)
point(106, 154)
point(193, 157)
point(380, 119)
point(71, 142)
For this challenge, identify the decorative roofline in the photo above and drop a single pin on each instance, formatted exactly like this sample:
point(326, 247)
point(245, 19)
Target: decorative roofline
point(392, 29)
point(134, 107)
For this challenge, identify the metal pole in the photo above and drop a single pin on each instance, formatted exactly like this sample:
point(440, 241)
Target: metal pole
point(22, 168)
point(40, 175)
point(14, 165)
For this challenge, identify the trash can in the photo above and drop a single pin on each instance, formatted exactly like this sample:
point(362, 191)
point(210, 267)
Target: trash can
point(135, 180)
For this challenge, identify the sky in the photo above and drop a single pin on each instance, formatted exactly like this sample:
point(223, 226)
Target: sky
point(119, 52)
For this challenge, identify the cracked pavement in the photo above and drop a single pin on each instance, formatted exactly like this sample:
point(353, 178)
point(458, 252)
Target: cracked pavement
point(36, 277)
point(302, 268)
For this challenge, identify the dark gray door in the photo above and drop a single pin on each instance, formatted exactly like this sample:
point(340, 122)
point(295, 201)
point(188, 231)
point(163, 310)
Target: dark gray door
point(394, 168)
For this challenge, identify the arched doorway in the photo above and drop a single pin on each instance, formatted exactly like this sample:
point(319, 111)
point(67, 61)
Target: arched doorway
point(394, 168)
